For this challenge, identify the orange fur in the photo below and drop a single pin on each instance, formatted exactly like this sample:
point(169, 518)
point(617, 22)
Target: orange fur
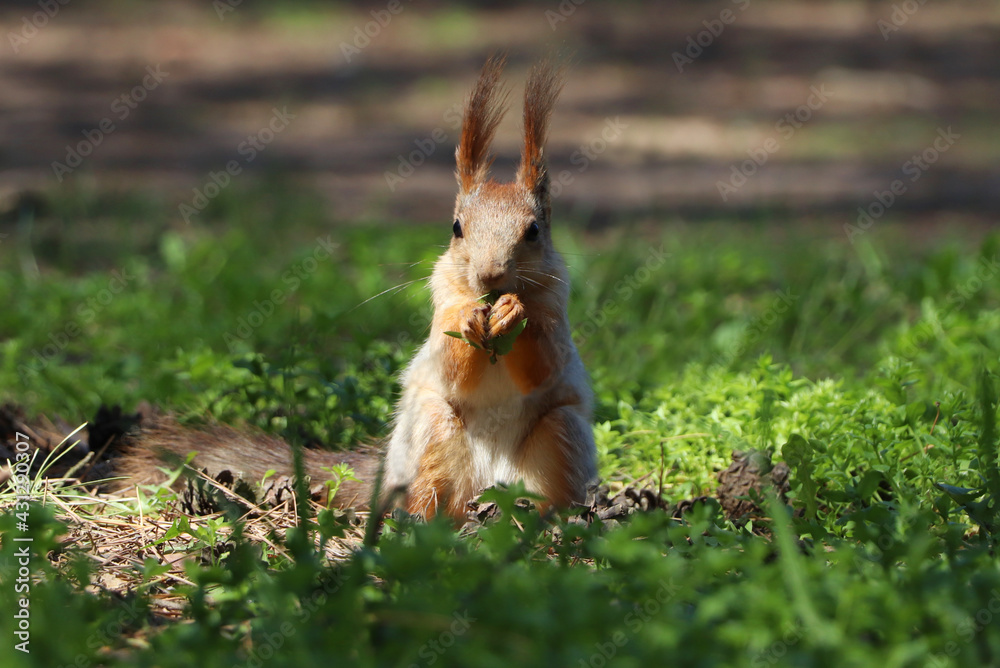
point(463, 364)
point(247, 454)
point(483, 113)
point(540, 94)
point(494, 190)
point(545, 454)
point(528, 362)
point(442, 479)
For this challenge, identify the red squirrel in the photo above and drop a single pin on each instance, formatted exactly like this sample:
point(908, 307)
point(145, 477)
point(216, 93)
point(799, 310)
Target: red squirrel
point(473, 412)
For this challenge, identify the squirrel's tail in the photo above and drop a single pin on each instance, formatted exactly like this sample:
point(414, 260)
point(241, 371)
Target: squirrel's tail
point(245, 454)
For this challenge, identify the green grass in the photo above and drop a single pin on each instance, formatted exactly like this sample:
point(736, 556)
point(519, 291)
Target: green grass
point(869, 368)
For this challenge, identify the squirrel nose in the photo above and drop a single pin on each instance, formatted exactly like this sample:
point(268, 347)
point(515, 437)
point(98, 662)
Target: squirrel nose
point(493, 276)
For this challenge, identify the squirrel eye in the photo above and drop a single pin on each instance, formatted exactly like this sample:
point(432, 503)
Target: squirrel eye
point(532, 233)
point(457, 229)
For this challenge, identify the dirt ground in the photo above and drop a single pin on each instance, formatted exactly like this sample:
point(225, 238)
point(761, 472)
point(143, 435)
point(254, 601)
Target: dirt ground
point(739, 109)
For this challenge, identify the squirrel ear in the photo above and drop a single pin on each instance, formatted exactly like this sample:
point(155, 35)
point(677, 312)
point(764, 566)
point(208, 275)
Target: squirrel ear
point(483, 112)
point(545, 82)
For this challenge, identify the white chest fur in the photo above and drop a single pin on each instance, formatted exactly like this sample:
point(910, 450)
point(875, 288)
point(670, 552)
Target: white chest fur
point(495, 418)
point(494, 435)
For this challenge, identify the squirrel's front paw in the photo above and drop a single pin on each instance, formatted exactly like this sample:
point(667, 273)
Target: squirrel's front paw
point(475, 328)
point(506, 314)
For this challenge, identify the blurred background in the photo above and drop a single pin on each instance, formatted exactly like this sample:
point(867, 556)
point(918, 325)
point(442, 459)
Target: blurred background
point(663, 101)
point(779, 220)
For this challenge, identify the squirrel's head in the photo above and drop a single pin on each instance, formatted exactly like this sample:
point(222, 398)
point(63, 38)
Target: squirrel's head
point(501, 237)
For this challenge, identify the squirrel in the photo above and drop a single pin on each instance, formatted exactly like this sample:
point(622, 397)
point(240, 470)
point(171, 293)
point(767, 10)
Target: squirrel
point(497, 393)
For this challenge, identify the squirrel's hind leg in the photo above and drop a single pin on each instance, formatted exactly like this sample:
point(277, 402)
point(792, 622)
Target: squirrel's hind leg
point(443, 480)
point(556, 459)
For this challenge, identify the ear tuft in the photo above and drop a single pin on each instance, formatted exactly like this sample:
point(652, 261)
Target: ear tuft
point(483, 113)
point(545, 82)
